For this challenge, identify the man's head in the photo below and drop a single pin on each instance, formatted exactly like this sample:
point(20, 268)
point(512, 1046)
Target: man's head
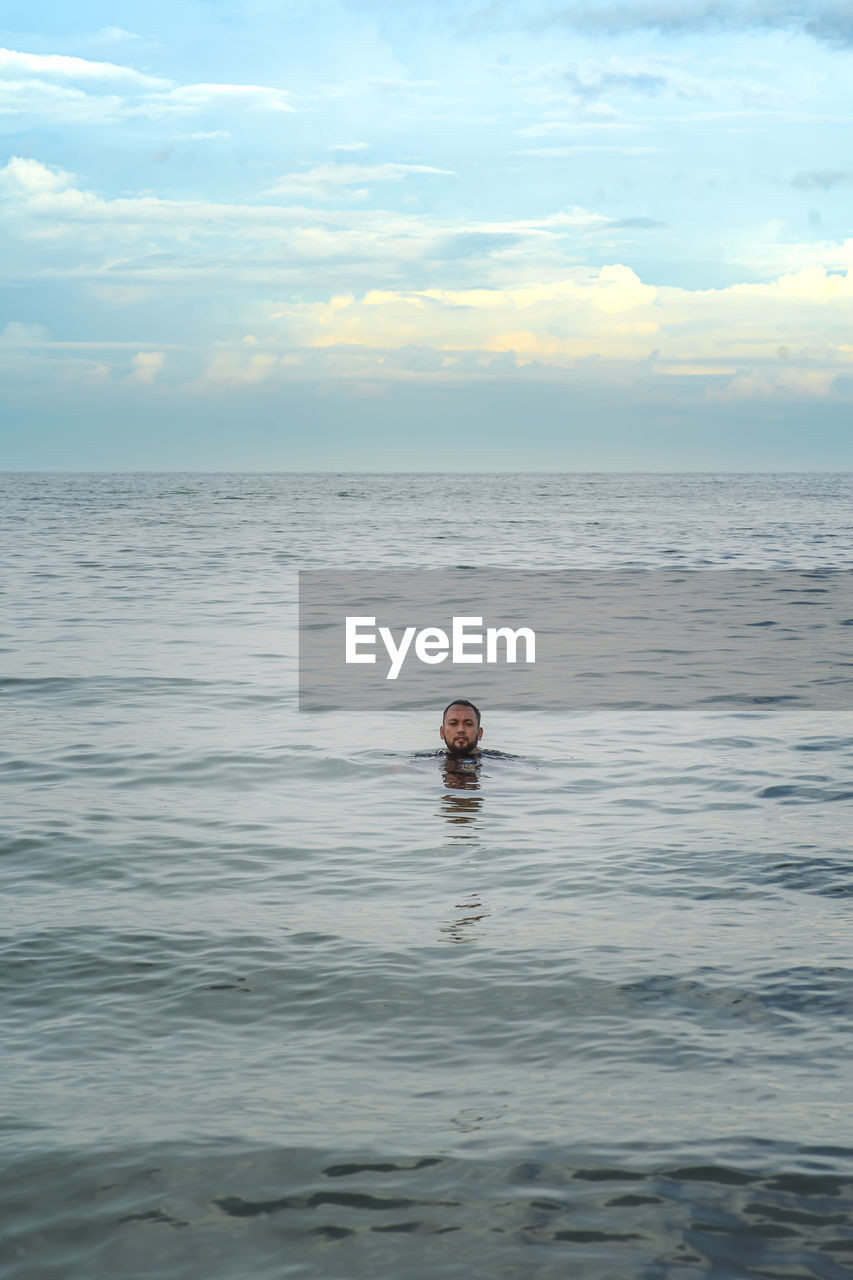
point(460, 728)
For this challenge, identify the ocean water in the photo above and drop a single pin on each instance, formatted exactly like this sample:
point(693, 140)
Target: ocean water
point(279, 1001)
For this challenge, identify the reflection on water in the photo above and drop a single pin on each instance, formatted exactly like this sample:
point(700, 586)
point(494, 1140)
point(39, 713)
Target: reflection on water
point(470, 1119)
point(461, 775)
point(460, 928)
point(461, 811)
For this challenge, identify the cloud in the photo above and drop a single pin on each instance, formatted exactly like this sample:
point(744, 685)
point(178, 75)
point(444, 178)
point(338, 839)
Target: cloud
point(830, 21)
point(63, 88)
point(504, 290)
point(571, 316)
point(477, 244)
point(557, 128)
point(593, 77)
point(330, 179)
point(731, 338)
point(32, 178)
point(40, 98)
point(415, 359)
point(39, 201)
point(588, 80)
point(58, 66)
point(16, 334)
point(146, 365)
point(765, 384)
point(398, 85)
point(348, 146)
point(205, 135)
point(615, 148)
point(821, 178)
point(137, 249)
point(239, 368)
point(195, 97)
point(808, 285)
point(630, 224)
point(594, 82)
point(604, 327)
point(115, 35)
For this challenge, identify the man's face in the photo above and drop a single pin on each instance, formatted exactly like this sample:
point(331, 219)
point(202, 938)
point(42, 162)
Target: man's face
point(459, 731)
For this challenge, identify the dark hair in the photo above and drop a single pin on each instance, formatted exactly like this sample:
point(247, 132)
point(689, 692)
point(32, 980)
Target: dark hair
point(461, 702)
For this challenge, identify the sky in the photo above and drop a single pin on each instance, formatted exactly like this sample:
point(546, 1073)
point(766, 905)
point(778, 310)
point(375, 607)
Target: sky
point(426, 235)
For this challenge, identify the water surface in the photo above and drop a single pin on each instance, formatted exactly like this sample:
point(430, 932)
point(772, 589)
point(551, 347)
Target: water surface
point(282, 999)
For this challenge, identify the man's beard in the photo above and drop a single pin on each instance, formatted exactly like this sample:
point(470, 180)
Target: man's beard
point(456, 749)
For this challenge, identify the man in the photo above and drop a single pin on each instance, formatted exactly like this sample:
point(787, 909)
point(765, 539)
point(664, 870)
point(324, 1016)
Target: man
point(460, 729)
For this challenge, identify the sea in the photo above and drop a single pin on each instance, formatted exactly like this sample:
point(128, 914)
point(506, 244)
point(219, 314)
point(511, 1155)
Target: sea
point(282, 999)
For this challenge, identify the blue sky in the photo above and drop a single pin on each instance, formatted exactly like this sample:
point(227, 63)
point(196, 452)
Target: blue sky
point(440, 235)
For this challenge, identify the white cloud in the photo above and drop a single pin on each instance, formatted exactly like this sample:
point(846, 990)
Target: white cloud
point(578, 148)
point(40, 98)
point(115, 35)
point(59, 66)
point(527, 302)
point(33, 178)
point(328, 179)
point(733, 337)
point(66, 89)
point(552, 128)
point(206, 135)
point(396, 84)
point(148, 241)
point(236, 368)
point(569, 317)
point(17, 334)
point(119, 295)
point(810, 284)
point(146, 365)
point(764, 384)
point(195, 97)
point(348, 146)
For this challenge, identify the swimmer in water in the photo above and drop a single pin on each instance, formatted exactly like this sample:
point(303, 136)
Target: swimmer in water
point(460, 729)
point(460, 732)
